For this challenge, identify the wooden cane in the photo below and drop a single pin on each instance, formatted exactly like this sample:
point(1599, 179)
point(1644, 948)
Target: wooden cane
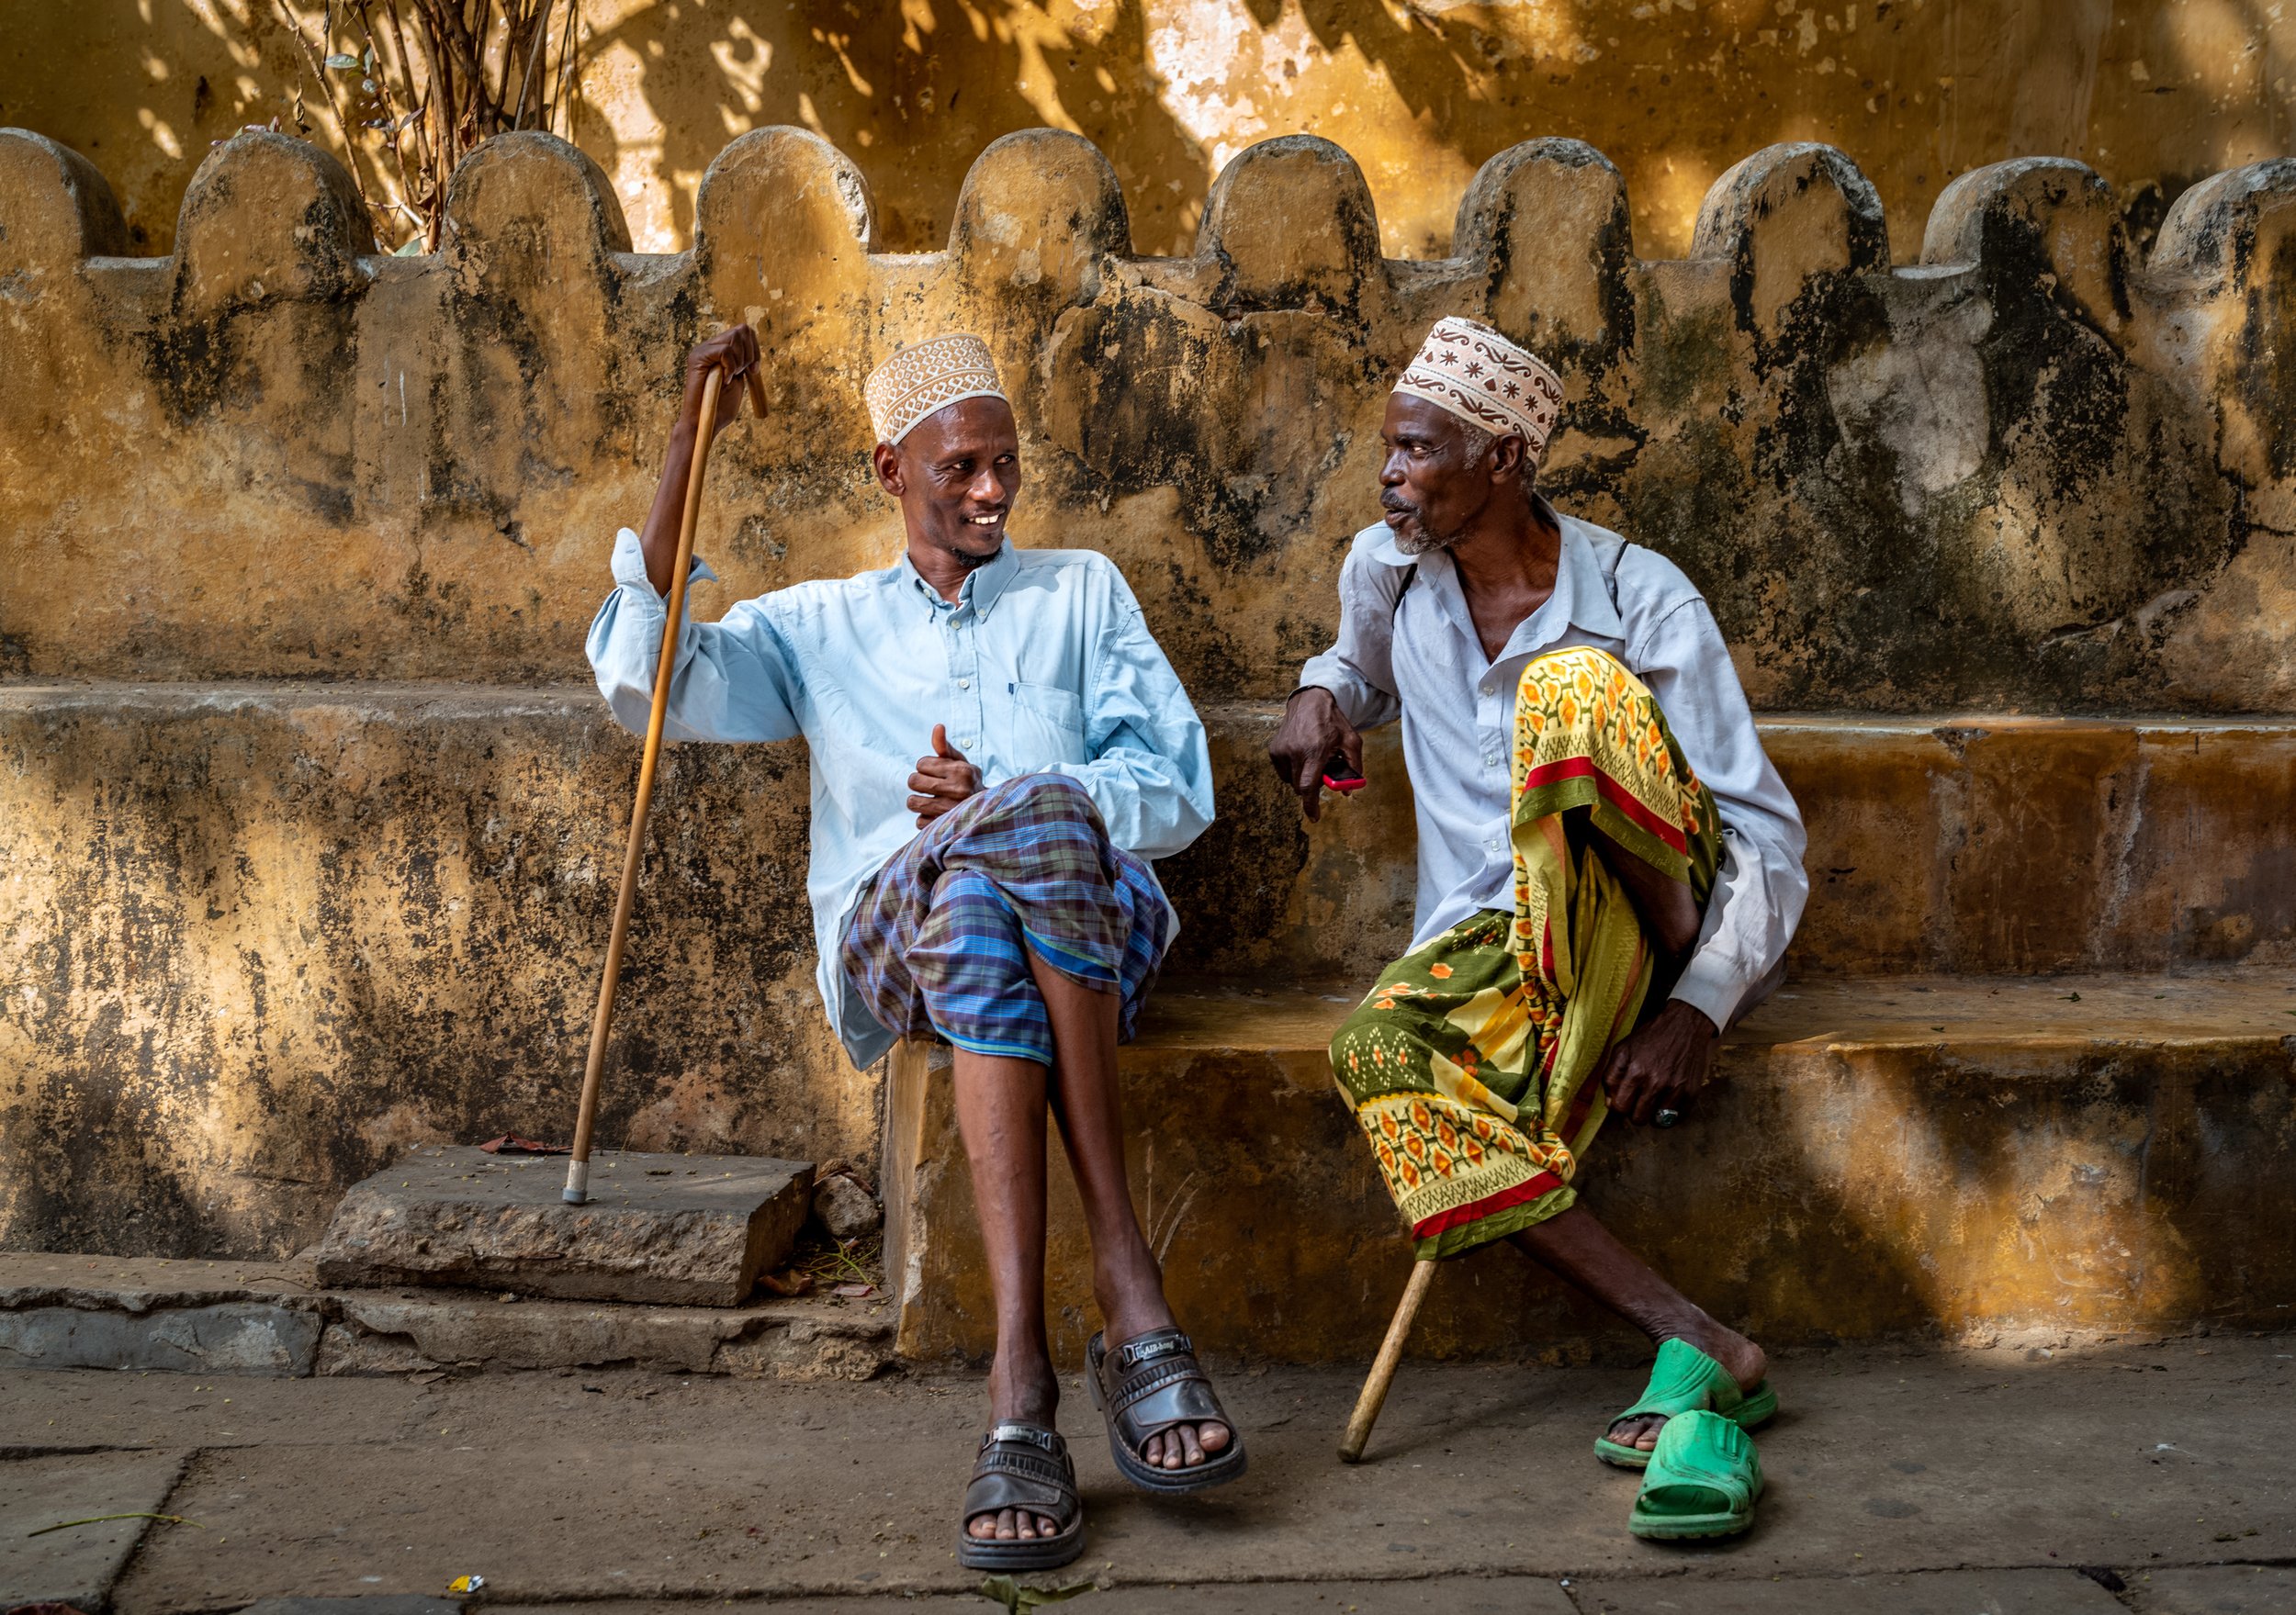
point(1374, 1395)
point(586, 1119)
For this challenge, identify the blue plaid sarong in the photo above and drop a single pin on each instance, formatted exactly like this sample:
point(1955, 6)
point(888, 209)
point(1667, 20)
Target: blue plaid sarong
point(935, 946)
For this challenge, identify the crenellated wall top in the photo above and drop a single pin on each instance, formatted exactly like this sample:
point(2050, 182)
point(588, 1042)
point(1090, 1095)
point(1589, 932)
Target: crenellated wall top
point(2030, 468)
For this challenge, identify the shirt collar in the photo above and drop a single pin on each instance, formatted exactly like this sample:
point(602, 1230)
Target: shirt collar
point(1581, 597)
point(981, 588)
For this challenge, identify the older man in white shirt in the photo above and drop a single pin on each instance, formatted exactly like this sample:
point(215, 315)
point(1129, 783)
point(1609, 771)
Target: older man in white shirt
point(1609, 865)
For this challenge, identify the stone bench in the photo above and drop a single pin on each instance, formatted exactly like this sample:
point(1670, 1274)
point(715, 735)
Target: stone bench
point(1972, 1155)
point(269, 936)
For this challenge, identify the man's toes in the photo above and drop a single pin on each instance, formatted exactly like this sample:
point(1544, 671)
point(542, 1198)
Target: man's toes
point(1046, 1527)
point(1025, 1527)
point(1214, 1437)
point(983, 1526)
point(1188, 1435)
point(1007, 1527)
point(1639, 1432)
point(1152, 1451)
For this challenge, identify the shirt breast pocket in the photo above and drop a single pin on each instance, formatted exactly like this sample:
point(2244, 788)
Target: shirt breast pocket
point(1049, 725)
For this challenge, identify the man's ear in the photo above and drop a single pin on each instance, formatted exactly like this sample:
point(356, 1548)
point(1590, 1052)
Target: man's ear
point(1507, 463)
point(887, 461)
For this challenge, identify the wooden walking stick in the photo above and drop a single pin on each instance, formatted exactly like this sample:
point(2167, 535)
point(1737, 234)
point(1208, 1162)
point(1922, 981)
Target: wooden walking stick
point(586, 1118)
point(1374, 1395)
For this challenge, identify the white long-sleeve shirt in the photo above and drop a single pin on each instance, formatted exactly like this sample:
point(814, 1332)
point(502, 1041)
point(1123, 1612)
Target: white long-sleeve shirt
point(1044, 665)
point(1413, 653)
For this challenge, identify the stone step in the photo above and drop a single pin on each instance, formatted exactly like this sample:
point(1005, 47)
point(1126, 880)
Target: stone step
point(275, 936)
point(1880, 1156)
point(274, 1319)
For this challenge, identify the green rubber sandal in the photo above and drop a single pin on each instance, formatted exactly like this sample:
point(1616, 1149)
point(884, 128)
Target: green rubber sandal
point(1686, 1380)
point(1701, 1481)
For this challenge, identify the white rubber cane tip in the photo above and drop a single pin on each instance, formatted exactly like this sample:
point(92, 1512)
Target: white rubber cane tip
point(577, 1182)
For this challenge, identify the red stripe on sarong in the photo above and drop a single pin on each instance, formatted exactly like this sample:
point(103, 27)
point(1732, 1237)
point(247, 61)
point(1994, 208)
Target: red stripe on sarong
point(1617, 795)
point(1474, 1211)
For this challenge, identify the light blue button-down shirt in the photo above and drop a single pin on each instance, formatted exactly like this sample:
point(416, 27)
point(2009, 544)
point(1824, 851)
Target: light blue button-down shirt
point(1042, 665)
point(1413, 653)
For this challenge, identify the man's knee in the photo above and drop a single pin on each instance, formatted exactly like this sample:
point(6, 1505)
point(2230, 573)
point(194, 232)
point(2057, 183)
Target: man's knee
point(1052, 796)
point(1594, 679)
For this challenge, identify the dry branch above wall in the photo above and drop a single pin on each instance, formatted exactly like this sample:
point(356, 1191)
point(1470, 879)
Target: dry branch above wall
point(2028, 471)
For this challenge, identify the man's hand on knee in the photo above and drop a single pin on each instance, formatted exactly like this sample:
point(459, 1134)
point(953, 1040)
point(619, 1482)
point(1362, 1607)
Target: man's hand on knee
point(1660, 1065)
point(1313, 728)
point(942, 780)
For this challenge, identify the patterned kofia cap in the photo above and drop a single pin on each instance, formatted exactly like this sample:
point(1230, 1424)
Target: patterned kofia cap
point(926, 376)
point(1481, 376)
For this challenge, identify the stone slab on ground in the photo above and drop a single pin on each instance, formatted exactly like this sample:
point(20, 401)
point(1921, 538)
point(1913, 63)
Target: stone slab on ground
point(79, 1311)
point(2215, 1589)
point(641, 1486)
point(1952, 1592)
point(1497, 1595)
point(384, 1604)
point(396, 1331)
point(144, 1284)
point(680, 1229)
point(77, 1566)
point(260, 1337)
point(258, 1318)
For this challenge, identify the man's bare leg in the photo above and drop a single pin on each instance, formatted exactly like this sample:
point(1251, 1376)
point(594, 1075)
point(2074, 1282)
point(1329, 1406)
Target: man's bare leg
point(1126, 1279)
point(1574, 1246)
point(1000, 1116)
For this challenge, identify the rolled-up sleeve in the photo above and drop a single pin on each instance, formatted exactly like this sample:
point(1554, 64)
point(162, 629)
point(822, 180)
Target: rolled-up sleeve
point(1759, 891)
point(1150, 770)
point(734, 680)
point(1359, 668)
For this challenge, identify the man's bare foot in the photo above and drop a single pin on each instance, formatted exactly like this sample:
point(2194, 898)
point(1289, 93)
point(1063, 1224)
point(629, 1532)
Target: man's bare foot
point(1184, 1446)
point(1008, 1525)
point(1140, 1311)
point(1025, 1393)
point(1733, 1350)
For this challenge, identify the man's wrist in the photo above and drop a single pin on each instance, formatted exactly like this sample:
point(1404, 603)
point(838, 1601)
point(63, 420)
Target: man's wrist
point(1699, 1021)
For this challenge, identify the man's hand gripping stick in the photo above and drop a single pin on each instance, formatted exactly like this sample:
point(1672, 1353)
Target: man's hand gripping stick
point(586, 1119)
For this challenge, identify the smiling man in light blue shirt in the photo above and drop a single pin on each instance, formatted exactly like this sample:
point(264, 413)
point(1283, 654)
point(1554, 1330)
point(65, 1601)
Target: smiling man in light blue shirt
point(999, 747)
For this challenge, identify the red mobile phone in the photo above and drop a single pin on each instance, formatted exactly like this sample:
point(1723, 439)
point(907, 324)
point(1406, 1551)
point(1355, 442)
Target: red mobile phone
point(1342, 776)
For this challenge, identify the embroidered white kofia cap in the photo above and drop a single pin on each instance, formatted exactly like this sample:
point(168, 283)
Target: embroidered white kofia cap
point(926, 376)
point(1481, 377)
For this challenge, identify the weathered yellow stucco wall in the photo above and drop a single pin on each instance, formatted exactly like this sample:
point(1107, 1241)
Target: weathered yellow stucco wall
point(263, 933)
point(2153, 94)
point(307, 815)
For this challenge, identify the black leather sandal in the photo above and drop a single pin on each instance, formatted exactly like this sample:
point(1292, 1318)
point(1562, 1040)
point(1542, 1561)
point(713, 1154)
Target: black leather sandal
point(1144, 1388)
point(1026, 1468)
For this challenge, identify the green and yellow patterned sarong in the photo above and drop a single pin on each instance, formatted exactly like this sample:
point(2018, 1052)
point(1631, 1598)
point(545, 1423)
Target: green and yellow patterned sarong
point(1468, 1064)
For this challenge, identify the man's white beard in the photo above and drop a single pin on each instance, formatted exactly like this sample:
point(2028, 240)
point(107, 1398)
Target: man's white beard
point(1426, 542)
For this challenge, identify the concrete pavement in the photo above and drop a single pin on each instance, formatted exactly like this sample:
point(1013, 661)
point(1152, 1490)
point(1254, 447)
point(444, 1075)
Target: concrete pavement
point(1901, 1481)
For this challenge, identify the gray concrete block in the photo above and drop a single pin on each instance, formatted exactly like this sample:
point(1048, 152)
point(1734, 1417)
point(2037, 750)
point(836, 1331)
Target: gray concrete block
point(381, 1332)
point(663, 1229)
point(77, 1566)
point(234, 1337)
